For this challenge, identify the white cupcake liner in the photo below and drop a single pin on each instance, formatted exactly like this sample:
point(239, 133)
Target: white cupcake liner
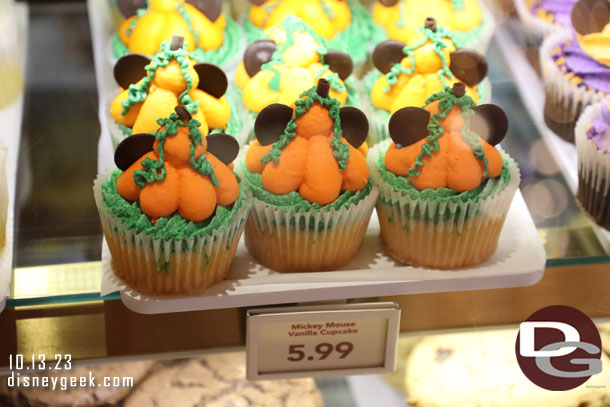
point(195, 263)
point(593, 170)
point(455, 241)
point(565, 97)
point(378, 118)
point(535, 28)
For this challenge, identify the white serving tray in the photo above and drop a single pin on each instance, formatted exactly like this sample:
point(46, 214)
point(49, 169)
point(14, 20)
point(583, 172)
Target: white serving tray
point(519, 261)
point(531, 90)
point(10, 118)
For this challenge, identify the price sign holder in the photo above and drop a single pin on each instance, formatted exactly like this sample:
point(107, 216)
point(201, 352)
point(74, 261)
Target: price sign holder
point(321, 340)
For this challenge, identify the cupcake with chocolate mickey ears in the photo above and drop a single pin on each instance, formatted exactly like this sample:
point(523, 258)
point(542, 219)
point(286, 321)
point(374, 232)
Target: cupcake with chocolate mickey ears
point(408, 73)
point(344, 24)
point(444, 189)
point(576, 66)
point(151, 88)
point(212, 36)
point(471, 24)
point(544, 17)
point(307, 173)
point(173, 211)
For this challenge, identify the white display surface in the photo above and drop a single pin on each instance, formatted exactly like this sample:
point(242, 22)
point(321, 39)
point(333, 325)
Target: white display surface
point(518, 261)
point(11, 118)
point(531, 90)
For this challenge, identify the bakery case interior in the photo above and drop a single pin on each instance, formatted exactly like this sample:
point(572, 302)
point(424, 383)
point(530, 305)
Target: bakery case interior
point(168, 165)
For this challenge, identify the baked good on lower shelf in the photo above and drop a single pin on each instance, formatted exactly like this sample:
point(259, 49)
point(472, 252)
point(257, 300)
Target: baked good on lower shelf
point(444, 189)
point(593, 149)
point(310, 184)
point(173, 212)
point(480, 369)
point(219, 380)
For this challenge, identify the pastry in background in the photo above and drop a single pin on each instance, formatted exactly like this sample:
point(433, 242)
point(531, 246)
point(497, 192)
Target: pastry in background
point(3, 196)
point(407, 74)
point(576, 66)
point(211, 35)
point(444, 189)
point(345, 24)
point(307, 172)
point(543, 17)
point(152, 88)
point(593, 147)
point(11, 74)
point(173, 212)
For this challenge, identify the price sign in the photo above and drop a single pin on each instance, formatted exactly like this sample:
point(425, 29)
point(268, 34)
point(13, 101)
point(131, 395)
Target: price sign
point(321, 340)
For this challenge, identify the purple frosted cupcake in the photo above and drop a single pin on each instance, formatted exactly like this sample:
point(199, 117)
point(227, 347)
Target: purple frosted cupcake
point(575, 66)
point(593, 146)
point(543, 17)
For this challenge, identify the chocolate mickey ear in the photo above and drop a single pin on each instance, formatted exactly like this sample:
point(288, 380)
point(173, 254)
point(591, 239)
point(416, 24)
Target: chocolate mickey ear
point(223, 146)
point(132, 149)
point(409, 125)
point(590, 16)
point(339, 62)
point(210, 8)
point(129, 69)
point(468, 66)
point(271, 122)
point(130, 7)
point(258, 53)
point(354, 125)
point(387, 54)
point(212, 79)
point(490, 123)
point(388, 3)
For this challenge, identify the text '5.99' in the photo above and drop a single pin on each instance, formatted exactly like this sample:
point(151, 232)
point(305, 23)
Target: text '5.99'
point(297, 353)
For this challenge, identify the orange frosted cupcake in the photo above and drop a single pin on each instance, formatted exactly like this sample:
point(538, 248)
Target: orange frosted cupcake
point(173, 212)
point(444, 189)
point(307, 172)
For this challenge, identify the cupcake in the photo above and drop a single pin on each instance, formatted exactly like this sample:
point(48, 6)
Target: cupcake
point(400, 19)
point(150, 89)
point(444, 189)
point(307, 173)
point(290, 61)
point(173, 211)
point(576, 66)
point(543, 17)
point(212, 36)
point(3, 196)
point(346, 25)
point(593, 146)
point(407, 74)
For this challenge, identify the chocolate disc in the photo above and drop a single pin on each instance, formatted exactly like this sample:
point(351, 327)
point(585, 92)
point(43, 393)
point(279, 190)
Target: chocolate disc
point(409, 125)
point(258, 53)
point(387, 54)
point(210, 8)
point(130, 7)
point(257, 2)
point(590, 16)
point(212, 79)
point(129, 69)
point(271, 122)
point(223, 147)
point(354, 126)
point(468, 66)
point(339, 62)
point(388, 3)
point(132, 149)
point(490, 123)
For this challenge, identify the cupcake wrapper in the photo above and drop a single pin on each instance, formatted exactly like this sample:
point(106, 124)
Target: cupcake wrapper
point(379, 119)
point(168, 267)
point(534, 28)
point(467, 234)
point(593, 171)
point(565, 100)
point(299, 240)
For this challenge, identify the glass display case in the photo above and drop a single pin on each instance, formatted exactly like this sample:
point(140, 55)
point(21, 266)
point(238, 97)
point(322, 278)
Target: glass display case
point(54, 305)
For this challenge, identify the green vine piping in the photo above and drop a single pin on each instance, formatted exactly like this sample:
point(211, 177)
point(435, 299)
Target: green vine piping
point(340, 149)
point(458, 5)
point(137, 93)
point(446, 102)
point(155, 170)
point(292, 25)
point(438, 38)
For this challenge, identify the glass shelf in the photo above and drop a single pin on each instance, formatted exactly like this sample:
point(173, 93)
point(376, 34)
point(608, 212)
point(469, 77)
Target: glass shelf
point(57, 231)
